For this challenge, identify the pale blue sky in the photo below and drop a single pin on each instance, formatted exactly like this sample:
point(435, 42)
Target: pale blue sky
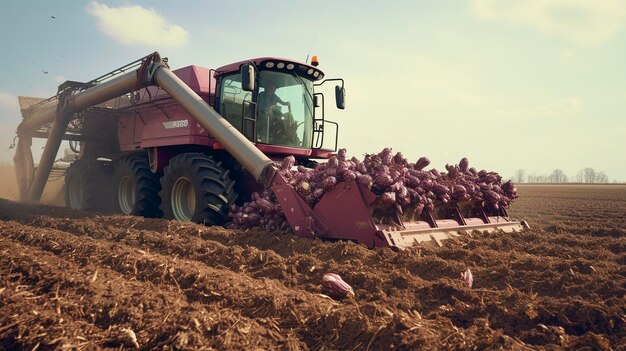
point(525, 84)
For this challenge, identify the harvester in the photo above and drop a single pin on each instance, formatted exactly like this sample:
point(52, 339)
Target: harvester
point(188, 144)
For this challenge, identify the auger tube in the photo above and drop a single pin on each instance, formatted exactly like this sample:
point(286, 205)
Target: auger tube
point(60, 118)
point(98, 94)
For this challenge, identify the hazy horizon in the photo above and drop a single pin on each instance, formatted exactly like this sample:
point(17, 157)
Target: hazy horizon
point(533, 85)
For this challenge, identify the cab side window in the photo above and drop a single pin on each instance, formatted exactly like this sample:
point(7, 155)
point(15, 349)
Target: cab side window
point(233, 97)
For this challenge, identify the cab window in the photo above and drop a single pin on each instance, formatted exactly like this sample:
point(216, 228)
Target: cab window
point(232, 100)
point(284, 109)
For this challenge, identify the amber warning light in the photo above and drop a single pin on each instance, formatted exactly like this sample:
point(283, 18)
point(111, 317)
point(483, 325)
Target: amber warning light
point(314, 61)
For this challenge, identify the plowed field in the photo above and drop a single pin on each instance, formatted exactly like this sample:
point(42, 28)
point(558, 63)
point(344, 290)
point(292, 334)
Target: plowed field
point(81, 280)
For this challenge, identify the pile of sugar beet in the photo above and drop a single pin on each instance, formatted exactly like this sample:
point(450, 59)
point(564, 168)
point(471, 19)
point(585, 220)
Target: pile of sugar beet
point(399, 185)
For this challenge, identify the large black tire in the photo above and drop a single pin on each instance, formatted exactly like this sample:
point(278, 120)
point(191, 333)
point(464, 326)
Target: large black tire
point(87, 186)
point(135, 187)
point(196, 188)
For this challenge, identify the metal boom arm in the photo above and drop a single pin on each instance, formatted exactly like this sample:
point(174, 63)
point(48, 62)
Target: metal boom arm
point(152, 71)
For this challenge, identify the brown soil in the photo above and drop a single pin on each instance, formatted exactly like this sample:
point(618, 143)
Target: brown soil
point(81, 280)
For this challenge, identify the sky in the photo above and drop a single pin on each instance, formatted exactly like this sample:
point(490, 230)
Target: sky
point(520, 84)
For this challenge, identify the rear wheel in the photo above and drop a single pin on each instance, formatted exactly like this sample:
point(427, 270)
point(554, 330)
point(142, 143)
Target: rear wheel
point(86, 186)
point(135, 187)
point(196, 188)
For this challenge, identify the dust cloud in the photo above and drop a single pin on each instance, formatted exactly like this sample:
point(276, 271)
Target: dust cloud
point(53, 193)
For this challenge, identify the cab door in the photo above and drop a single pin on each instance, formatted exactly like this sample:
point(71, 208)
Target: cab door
point(235, 104)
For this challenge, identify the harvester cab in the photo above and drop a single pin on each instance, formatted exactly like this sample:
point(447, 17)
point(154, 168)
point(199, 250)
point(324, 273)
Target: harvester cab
point(272, 102)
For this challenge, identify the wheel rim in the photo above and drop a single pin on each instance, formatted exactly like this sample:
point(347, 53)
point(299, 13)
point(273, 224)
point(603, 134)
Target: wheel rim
point(126, 195)
point(75, 195)
point(183, 199)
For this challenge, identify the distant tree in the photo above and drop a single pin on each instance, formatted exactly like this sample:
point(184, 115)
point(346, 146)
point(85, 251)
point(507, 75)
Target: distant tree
point(579, 177)
point(558, 176)
point(520, 176)
point(589, 175)
point(602, 178)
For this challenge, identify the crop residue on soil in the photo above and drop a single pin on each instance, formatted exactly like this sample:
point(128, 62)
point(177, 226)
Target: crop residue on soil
point(81, 280)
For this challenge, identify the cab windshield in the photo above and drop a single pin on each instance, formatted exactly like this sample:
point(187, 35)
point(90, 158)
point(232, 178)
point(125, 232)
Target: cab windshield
point(284, 108)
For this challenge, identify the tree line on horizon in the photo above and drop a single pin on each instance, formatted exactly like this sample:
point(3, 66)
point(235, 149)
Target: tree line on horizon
point(586, 175)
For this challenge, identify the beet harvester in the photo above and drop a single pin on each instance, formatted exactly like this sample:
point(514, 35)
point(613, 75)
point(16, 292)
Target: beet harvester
point(187, 144)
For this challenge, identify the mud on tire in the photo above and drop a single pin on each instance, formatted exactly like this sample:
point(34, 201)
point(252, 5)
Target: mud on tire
point(196, 188)
point(135, 187)
point(87, 186)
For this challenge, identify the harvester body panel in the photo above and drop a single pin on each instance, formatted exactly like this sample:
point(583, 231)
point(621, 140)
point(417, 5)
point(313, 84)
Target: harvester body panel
point(154, 119)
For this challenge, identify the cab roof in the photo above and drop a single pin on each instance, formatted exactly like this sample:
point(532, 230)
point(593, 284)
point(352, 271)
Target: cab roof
point(275, 64)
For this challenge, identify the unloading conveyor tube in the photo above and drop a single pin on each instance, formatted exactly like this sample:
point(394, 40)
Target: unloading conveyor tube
point(253, 160)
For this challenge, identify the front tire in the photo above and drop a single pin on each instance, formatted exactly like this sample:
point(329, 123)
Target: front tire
point(87, 184)
point(136, 188)
point(196, 188)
